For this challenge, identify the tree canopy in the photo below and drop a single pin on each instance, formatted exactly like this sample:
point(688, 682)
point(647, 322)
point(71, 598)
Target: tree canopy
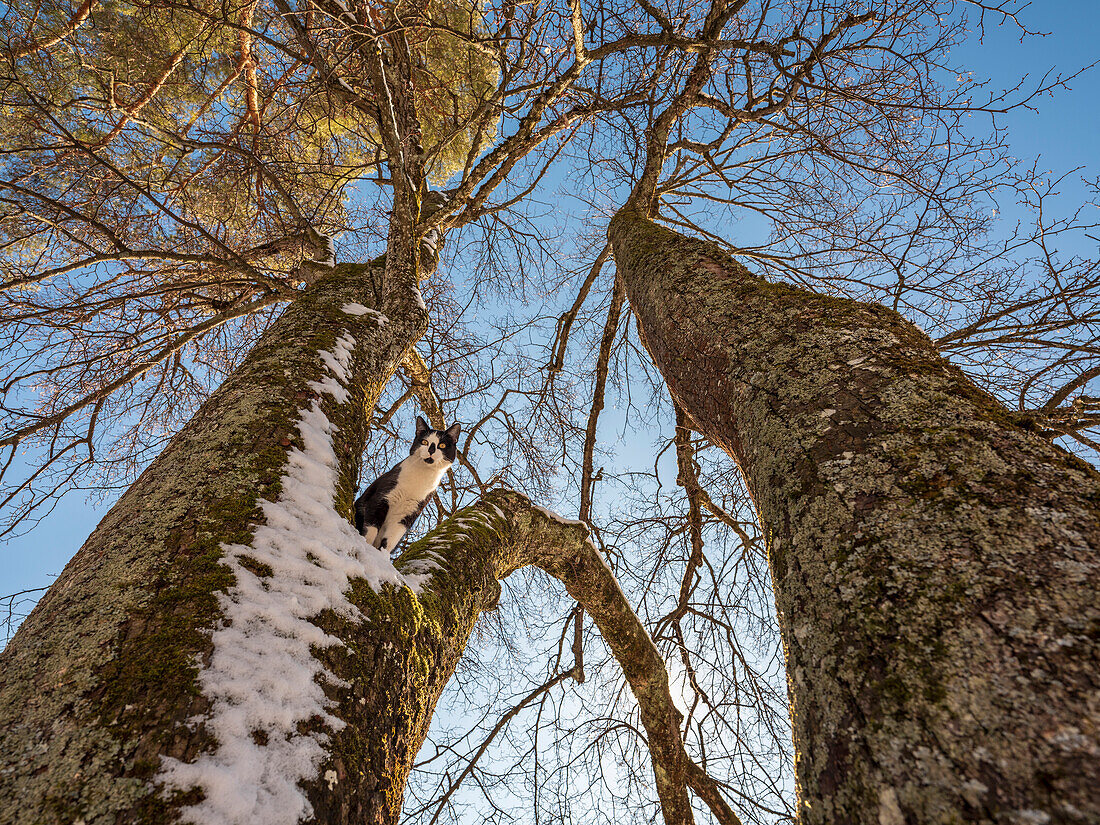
point(175, 174)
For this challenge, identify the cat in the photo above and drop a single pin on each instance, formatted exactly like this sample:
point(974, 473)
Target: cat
point(389, 506)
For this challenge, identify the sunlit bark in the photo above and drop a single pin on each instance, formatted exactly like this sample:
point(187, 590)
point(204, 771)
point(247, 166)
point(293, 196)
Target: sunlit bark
point(934, 560)
point(101, 676)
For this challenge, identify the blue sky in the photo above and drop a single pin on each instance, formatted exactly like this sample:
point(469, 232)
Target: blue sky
point(1063, 133)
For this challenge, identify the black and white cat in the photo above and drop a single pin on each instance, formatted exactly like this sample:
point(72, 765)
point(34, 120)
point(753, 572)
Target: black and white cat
point(387, 509)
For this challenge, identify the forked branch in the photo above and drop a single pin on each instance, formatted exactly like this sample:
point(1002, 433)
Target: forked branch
point(563, 549)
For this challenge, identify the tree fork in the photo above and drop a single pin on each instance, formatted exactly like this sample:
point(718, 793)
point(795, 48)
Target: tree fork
point(102, 677)
point(98, 680)
point(401, 657)
point(934, 560)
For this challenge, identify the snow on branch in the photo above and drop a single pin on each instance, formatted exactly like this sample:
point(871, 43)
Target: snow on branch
point(326, 252)
point(356, 308)
point(562, 548)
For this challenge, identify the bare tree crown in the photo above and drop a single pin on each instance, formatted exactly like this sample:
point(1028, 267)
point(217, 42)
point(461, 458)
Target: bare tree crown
point(174, 175)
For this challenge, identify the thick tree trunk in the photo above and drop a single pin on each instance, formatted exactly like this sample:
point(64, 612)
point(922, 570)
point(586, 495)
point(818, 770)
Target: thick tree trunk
point(100, 679)
point(934, 560)
point(226, 649)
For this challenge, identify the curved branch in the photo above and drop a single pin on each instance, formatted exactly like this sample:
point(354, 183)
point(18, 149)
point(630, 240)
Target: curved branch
point(565, 551)
point(455, 570)
point(79, 16)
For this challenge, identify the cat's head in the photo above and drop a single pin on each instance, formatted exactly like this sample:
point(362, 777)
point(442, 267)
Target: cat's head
point(435, 447)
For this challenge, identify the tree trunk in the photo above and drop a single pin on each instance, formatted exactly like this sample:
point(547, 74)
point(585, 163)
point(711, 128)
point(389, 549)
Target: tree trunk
point(934, 559)
point(407, 646)
point(225, 648)
point(101, 678)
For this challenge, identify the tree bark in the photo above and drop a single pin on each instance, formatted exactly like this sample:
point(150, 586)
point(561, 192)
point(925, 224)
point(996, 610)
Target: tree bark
point(934, 559)
point(108, 711)
point(406, 648)
point(99, 680)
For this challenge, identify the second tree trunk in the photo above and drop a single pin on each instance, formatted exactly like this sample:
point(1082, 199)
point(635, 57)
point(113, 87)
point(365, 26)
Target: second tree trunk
point(935, 563)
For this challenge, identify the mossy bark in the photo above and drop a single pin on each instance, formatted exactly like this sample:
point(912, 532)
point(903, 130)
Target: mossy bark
point(399, 659)
point(934, 560)
point(99, 679)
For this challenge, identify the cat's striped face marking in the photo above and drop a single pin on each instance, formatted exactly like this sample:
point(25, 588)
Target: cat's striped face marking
point(435, 447)
point(430, 449)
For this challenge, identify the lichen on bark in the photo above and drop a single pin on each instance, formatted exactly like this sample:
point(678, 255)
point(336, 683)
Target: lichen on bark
point(399, 658)
point(101, 677)
point(934, 559)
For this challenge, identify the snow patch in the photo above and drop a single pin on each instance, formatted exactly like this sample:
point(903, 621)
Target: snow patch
point(431, 239)
point(262, 680)
point(332, 387)
point(328, 247)
point(338, 361)
point(359, 309)
point(559, 519)
point(417, 581)
point(419, 572)
point(342, 352)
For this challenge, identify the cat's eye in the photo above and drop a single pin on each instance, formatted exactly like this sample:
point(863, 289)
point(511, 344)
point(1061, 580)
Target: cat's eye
point(443, 445)
point(425, 441)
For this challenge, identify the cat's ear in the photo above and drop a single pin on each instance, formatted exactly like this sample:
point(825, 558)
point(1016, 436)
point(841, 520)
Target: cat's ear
point(421, 426)
point(454, 430)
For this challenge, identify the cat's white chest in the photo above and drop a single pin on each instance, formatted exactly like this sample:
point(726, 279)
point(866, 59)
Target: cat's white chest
point(415, 482)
